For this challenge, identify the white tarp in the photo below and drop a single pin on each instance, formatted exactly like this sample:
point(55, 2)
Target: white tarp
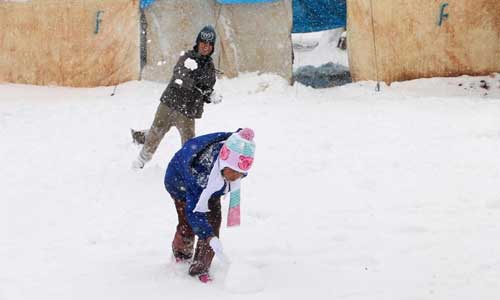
point(250, 37)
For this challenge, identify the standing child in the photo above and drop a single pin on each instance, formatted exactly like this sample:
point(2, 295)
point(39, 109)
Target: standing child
point(206, 168)
point(182, 101)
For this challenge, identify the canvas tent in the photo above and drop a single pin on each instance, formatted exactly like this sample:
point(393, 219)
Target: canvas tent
point(72, 43)
point(97, 42)
point(401, 40)
point(253, 35)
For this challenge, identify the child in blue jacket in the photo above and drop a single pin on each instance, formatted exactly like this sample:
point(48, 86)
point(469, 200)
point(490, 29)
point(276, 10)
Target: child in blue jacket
point(200, 173)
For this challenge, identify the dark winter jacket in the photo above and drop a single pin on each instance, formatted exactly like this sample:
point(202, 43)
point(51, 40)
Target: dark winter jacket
point(187, 175)
point(191, 84)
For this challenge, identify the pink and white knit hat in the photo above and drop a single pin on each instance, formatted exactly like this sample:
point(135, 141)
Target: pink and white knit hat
point(238, 151)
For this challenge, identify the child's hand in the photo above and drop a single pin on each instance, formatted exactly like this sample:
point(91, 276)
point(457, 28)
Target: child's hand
point(215, 98)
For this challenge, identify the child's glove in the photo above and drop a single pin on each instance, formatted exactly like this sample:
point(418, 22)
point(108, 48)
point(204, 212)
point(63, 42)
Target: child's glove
point(217, 247)
point(215, 98)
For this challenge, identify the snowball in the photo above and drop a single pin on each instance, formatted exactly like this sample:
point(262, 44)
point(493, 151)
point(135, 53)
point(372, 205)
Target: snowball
point(178, 81)
point(191, 64)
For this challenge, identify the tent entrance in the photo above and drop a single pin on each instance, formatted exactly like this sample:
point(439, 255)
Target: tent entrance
point(320, 58)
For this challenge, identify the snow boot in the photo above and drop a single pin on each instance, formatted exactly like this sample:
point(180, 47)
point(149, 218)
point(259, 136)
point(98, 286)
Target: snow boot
point(141, 160)
point(138, 136)
point(138, 163)
point(205, 278)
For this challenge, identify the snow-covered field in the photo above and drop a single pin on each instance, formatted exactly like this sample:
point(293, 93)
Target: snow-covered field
point(354, 194)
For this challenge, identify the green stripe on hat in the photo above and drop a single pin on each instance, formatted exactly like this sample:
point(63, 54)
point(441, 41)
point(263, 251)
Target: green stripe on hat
point(239, 145)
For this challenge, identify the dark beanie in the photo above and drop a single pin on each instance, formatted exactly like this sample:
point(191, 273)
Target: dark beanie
point(207, 35)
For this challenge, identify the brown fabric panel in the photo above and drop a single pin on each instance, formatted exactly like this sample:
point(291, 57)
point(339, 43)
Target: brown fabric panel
point(48, 42)
point(410, 44)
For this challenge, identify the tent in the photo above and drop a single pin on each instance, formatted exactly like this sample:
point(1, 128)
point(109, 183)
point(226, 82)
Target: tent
point(253, 35)
point(72, 43)
point(401, 40)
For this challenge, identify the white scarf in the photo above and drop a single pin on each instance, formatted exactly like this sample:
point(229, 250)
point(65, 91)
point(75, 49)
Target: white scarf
point(215, 183)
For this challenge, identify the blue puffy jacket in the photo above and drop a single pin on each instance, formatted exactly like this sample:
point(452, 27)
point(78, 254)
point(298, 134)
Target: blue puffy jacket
point(187, 175)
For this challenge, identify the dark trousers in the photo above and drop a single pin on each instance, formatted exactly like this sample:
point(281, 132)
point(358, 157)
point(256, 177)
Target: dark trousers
point(182, 245)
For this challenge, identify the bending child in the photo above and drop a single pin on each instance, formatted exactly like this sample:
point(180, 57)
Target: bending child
point(206, 168)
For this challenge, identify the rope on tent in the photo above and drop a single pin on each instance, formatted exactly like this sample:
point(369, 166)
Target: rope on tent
point(220, 42)
point(375, 48)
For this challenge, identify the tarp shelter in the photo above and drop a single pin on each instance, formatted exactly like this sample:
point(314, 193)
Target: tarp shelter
point(71, 43)
point(401, 40)
point(252, 37)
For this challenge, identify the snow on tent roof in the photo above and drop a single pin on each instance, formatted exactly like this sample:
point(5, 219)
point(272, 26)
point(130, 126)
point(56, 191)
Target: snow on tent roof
point(318, 15)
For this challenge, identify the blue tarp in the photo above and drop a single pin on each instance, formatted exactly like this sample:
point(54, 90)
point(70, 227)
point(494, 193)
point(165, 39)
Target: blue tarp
point(317, 15)
point(146, 3)
point(243, 1)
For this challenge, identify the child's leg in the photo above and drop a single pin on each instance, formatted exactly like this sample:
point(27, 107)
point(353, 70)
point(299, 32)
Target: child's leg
point(161, 125)
point(204, 254)
point(185, 126)
point(182, 245)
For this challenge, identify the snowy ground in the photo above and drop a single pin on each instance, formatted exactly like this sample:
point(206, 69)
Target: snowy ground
point(318, 48)
point(354, 194)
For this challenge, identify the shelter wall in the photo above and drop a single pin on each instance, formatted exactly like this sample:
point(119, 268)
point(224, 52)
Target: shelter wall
point(250, 37)
point(172, 28)
point(48, 42)
point(256, 37)
point(406, 40)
